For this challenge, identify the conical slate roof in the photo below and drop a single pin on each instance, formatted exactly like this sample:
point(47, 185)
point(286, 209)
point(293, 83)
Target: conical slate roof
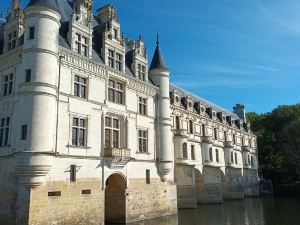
point(158, 61)
point(52, 4)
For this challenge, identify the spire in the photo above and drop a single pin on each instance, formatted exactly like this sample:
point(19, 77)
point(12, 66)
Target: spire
point(158, 61)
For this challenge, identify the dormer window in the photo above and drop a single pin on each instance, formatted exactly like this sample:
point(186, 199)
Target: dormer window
point(115, 33)
point(141, 72)
point(115, 60)
point(81, 45)
point(118, 62)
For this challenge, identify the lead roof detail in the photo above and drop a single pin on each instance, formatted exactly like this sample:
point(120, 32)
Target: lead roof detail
point(158, 61)
point(52, 4)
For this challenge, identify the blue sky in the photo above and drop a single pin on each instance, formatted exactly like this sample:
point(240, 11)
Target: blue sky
point(227, 51)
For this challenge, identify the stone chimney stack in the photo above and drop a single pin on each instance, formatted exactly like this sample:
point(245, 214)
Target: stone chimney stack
point(107, 13)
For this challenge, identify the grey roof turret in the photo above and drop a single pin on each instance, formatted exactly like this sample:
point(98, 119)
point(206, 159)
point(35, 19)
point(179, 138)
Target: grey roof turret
point(52, 4)
point(158, 61)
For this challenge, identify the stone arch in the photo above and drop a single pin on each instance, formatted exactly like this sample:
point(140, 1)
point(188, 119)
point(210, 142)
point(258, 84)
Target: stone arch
point(115, 199)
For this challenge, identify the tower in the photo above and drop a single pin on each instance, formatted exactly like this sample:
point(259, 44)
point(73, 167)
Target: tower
point(240, 110)
point(37, 93)
point(160, 75)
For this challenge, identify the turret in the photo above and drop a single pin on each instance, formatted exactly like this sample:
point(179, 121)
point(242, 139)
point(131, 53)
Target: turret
point(35, 138)
point(160, 75)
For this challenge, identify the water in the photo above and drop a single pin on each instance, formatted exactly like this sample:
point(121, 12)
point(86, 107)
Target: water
point(254, 211)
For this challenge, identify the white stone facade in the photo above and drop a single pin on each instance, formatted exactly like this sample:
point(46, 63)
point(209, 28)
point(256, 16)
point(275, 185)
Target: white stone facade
point(81, 120)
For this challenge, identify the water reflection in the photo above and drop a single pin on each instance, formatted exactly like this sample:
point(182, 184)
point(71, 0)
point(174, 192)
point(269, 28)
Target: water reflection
point(247, 212)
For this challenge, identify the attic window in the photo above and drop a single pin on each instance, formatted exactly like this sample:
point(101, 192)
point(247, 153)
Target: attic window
point(202, 109)
point(223, 118)
point(177, 99)
point(190, 104)
point(214, 114)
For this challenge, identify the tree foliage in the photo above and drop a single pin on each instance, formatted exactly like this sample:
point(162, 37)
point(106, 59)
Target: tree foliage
point(278, 140)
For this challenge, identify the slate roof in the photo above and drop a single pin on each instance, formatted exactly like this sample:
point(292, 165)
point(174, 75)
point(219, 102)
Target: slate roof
point(52, 4)
point(65, 8)
point(158, 61)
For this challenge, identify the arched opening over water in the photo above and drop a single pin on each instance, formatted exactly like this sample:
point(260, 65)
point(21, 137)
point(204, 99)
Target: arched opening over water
point(115, 200)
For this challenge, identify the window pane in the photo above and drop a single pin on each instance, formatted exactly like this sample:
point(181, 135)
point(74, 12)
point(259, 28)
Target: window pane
point(75, 121)
point(74, 136)
point(76, 89)
point(82, 123)
point(115, 138)
point(82, 137)
point(107, 122)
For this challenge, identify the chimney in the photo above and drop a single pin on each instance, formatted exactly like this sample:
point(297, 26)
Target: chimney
point(240, 111)
point(107, 13)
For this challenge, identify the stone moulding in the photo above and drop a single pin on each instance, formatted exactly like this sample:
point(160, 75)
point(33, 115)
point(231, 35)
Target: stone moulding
point(32, 167)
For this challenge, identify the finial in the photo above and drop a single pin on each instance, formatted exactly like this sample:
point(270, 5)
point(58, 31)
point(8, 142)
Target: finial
point(157, 39)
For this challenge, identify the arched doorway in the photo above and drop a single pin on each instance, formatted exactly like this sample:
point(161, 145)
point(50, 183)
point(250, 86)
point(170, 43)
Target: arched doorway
point(115, 208)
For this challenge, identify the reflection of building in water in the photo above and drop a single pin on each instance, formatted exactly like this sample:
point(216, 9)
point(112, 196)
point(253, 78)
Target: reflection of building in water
point(89, 132)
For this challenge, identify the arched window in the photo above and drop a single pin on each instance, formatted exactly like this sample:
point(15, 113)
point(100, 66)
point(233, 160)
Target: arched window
point(225, 136)
point(231, 157)
point(249, 160)
point(191, 127)
point(210, 155)
point(184, 151)
point(217, 155)
point(235, 158)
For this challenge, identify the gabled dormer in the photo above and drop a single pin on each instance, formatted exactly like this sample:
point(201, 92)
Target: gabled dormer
point(113, 42)
point(239, 123)
point(176, 98)
point(188, 103)
point(230, 120)
point(14, 27)
point(222, 117)
point(81, 28)
point(200, 108)
point(136, 58)
point(212, 113)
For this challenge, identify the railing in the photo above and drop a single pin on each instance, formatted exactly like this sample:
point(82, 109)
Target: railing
point(180, 132)
point(229, 144)
point(207, 139)
point(117, 152)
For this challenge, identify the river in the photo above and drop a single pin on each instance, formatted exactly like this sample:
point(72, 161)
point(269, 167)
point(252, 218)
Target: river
point(253, 211)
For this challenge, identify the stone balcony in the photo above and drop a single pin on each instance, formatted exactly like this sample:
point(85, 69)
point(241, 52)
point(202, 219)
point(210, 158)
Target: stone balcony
point(117, 157)
point(181, 132)
point(187, 162)
point(228, 144)
point(207, 139)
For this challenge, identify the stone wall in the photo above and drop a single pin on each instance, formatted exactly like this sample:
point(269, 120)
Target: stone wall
point(145, 201)
point(251, 184)
point(8, 191)
point(79, 203)
point(209, 188)
point(232, 185)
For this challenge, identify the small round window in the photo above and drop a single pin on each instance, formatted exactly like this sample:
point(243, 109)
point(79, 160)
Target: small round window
point(177, 99)
point(190, 104)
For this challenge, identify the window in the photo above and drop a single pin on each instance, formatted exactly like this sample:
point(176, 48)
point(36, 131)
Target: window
point(115, 92)
point(79, 132)
point(4, 131)
point(193, 152)
point(235, 158)
point(80, 87)
point(215, 134)
point(177, 122)
point(142, 106)
point(191, 127)
point(210, 155)
point(234, 139)
point(8, 84)
point(24, 132)
point(203, 130)
point(142, 72)
point(217, 155)
point(225, 136)
point(31, 33)
point(252, 161)
point(28, 75)
point(184, 151)
point(12, 41)
point(115, 33)
point(249, 160)
point(118, 62)
point(112, 132)
point(81, 44)
point(231, 157)
point(147, 176)
point(111, 59)
point(73, 173)
point(143, 140)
